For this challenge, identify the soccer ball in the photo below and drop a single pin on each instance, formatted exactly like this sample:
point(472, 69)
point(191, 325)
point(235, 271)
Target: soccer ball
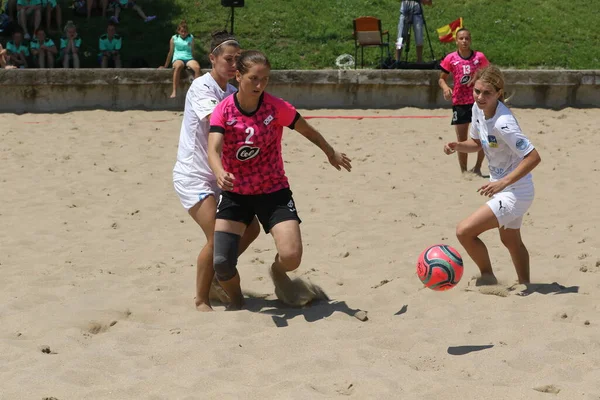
point(440, 267)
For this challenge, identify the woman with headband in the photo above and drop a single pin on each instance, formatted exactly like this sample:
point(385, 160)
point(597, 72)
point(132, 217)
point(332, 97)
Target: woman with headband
point(193, 179)
point(181, 54)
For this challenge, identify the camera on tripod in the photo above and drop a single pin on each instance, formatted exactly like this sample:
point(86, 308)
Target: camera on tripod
point(233, 4)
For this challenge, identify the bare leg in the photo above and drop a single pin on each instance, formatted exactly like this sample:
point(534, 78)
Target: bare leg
point(140, 12)
point(23, 21)
point(193, 64)
point(462, 132)
point(117, 12)
point(37, 18)
point(479, 162)
point(50, 60)
point(75, 60)
point(104, 7)
point(65, 60)
point(89, 8)
point(511, 238)
point(232, 286)
point(104, 63)
point(467, 232)
point(58, 12)
point(48, 17)
point(177, 68)
point(419, 53)
point(42, 59)
point(117, 60)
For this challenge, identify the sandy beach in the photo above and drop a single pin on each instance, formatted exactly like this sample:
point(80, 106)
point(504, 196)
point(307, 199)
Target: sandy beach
point(97, 268)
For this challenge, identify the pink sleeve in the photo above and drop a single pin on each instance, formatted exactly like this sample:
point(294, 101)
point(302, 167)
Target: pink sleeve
point(484, 60)
point(446, 63)
point(286, 113)
point(217, 119)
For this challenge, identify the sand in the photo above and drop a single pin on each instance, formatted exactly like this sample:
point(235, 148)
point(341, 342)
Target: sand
point(97, 269)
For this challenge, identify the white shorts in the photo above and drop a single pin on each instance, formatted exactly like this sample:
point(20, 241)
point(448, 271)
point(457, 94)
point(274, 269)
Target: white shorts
point(191, 192)
point(510, 205)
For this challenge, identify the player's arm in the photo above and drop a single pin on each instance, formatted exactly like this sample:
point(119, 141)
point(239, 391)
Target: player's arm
point(445, 88)
point(215, 147)
point(338, 160)
point(468, 146)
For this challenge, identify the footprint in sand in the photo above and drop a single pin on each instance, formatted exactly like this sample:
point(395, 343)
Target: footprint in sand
point(547, 389)
point(498, 289)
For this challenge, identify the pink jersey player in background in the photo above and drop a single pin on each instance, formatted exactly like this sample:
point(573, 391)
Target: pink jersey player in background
point(244, 152)
point(462, 64)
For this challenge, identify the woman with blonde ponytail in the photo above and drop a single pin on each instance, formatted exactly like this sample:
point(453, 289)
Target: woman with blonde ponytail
point(511, 158)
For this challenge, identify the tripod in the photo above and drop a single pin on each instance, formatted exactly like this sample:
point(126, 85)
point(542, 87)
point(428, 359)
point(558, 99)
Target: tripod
point(407, 27)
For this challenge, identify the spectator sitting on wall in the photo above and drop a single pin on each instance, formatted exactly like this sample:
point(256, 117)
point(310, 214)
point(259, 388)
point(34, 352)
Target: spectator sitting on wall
point(181, 54)
point(69, 46)
point(50, 5)
point(129, 4)
point(43, 49)
point(4, 59)
point(11, 9)
point(110, 46)
point(26, 9)
point(17, 51)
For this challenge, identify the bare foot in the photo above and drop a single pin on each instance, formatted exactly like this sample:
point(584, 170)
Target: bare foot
point(204, 307)
point(476, 172)
point(297, 292)
point(486, 280)
point(235, 307)
point(218, 293)
point(173, 95)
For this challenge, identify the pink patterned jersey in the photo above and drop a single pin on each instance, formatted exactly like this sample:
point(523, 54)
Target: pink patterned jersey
point(462, 69)
point(252, 142)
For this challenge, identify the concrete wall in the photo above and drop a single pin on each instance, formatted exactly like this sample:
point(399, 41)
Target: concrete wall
point(66, 90)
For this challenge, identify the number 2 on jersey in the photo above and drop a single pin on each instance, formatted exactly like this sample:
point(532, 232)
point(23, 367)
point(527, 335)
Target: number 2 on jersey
point(250, 132)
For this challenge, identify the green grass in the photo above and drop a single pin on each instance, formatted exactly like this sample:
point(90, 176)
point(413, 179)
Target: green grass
point(310, 34)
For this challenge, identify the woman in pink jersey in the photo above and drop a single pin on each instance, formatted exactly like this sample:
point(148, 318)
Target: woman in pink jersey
point(193, 179)
point(462, 64)
point(244, 152)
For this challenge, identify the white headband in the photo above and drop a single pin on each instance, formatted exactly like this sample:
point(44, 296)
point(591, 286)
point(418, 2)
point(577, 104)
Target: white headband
point(230, 41)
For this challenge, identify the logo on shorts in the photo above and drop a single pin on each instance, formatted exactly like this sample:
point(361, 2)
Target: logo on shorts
point(501, 206)
point(231, 122)
point(492, 141)
point(465, 79)
point(268, 120)
point(291, 206)
point(246, 153)
point(522, 144)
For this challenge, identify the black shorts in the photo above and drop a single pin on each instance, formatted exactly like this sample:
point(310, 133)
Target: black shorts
point(461, 114)
point(270, 208)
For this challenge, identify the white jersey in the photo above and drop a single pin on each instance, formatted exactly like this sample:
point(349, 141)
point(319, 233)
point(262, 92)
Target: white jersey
point(503, 142)
point(192, 158)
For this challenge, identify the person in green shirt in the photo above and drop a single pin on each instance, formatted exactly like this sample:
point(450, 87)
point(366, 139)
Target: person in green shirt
point(50, 5)
point(43, 49)
point(69, 46)
point(4, 59)
point(17, 51)
point(119, 4)
point(110, 46)
point(181, 54)
point(25, 8)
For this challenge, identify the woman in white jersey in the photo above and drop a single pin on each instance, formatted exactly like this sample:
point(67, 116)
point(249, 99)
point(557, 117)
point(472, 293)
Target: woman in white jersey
point(511, 158)
point(193, 179)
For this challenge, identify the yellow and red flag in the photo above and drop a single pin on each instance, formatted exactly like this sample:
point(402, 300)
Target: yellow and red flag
point(447, 33)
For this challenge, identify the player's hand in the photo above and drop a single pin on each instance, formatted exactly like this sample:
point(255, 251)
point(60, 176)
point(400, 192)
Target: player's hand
point(339, 160)
point(225, 180)
point(447, 94)
point(491, 188)
point(450, 148)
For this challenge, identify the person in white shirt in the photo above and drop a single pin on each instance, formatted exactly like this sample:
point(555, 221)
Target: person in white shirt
point(511, 158)
point(193, 179)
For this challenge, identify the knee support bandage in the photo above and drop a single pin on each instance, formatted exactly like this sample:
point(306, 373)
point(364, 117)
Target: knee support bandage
point(226, 255)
